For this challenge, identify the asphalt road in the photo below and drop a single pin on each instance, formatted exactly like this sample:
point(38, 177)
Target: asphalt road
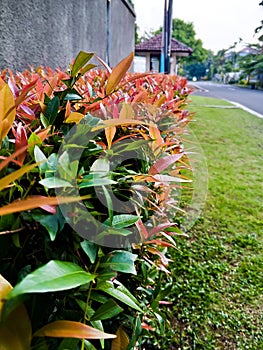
point(249, 98)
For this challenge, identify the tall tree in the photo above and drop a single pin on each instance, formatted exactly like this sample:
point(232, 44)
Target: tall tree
point(185, 32)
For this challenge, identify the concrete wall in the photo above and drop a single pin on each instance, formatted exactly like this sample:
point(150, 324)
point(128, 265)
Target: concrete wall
point(122, 37)
point(52, 32)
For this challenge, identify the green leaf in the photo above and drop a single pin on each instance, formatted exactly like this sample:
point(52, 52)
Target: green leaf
point(44, 120)
point(68, 344)
point(124, 290)
point(101, 167)
point(107, 310)
point(50, 222)
point(53, 223)
point(113, 231)
point(41, 159)
point(98, 297)
point(137, 328)
point(72, 97)
point(122, 261)
point(124, 220)
point(32, 142)
point(109, 203)
point(52, 164)
point(54, 182)
point(87, 68)
point(52, 110)
point(81, 60)
point(92, 181)
point(91, 249)
point(119, 294)
point(130, 146)
point(54, 276)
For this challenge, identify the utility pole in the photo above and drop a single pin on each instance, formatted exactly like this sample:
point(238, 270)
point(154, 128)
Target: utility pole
point(166, 38)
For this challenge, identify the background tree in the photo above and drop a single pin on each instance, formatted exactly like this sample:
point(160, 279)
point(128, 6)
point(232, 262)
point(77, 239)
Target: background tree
point(258, 29)
point(185, 32)
point(252, 64)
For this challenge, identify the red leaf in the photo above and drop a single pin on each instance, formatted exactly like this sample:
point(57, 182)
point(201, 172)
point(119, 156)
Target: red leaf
point(142, 229)
point(145, 326)
point(160, 243)
point(164, 163)
point(20, 142)
point(25, 91)
point(160, 228)
point(160, 254)
point(49, 208)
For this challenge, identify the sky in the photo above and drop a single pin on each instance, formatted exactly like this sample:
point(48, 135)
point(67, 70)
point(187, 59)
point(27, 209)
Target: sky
point(218, 23)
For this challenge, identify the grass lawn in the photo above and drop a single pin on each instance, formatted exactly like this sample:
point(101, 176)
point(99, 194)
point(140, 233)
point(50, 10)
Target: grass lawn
point(218, 271)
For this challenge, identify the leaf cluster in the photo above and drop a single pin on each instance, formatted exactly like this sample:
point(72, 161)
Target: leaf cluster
point(90, 176)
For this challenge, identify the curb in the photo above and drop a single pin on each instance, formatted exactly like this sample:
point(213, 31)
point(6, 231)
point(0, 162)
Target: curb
point(246, 109)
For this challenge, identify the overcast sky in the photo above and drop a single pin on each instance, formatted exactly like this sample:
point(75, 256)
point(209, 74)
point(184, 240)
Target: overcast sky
point(218, 23)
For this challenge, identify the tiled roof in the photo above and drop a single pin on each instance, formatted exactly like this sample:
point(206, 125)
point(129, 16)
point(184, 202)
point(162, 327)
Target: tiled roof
point(154, 44)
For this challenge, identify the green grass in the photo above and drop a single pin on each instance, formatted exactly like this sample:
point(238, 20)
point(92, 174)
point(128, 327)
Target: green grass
point(218, 271)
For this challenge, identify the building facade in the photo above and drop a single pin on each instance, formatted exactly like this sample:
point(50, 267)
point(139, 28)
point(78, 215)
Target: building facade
point(52, 32)
point(151, 50)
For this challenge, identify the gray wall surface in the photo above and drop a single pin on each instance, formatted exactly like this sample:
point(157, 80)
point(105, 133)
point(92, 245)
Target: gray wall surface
point(52, 32)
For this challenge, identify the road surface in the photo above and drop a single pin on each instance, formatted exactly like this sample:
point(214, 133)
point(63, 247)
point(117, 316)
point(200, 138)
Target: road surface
point(249, 98)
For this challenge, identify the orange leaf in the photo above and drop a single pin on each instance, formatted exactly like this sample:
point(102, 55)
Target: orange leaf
point(117, 122)
point(36, 202)
point(74, 117)
point(118, 73)
point(15, 332)
point(50, 86)
point(68, 109)
point(7, 109)
point(155, 135)
point(121, 342)
point(8, 179)
point(141, 96)
point(43, 133)
point(160, 102)
point(126, 112)
point(134, 77)
point(110, 133)
point(71, 329)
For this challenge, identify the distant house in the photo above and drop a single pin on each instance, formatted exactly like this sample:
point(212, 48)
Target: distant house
point(151, 50)
point(247, 51)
